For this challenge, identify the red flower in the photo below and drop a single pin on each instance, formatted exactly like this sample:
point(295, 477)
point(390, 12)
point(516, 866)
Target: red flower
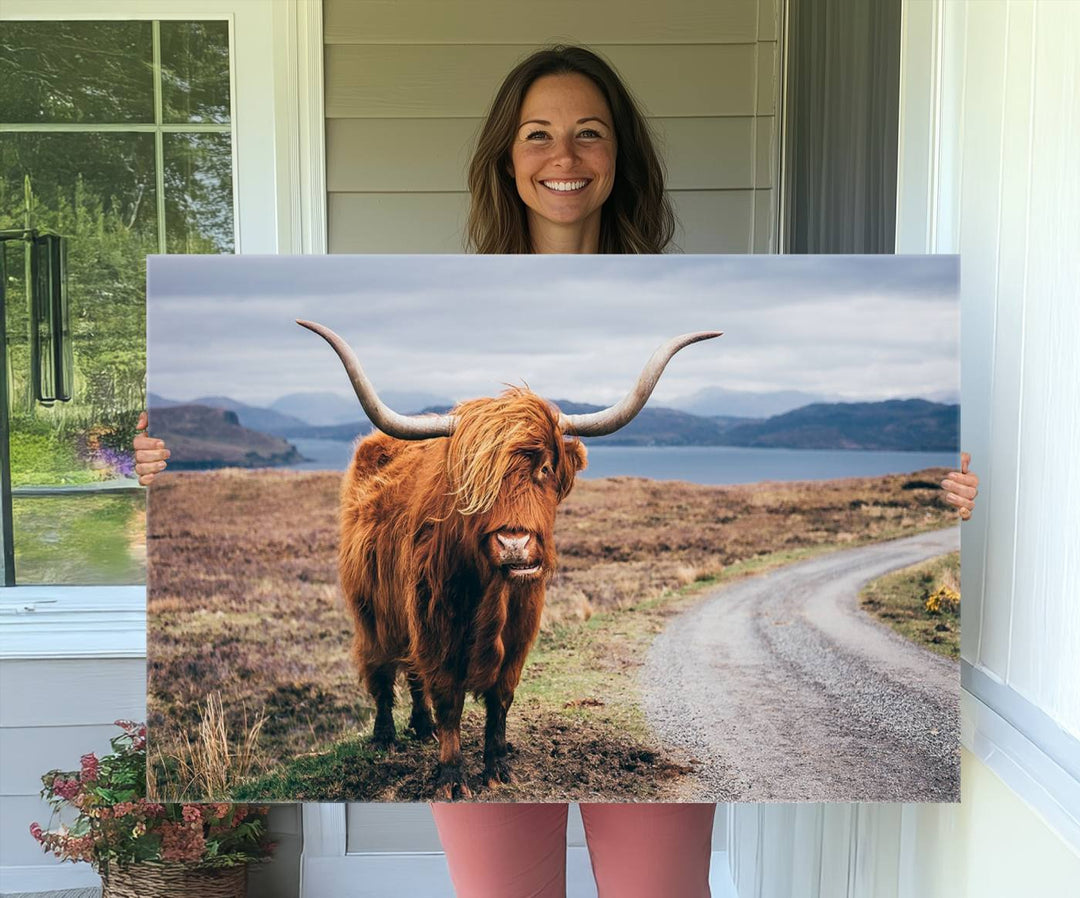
point(150, 808)
point(191, 813)
point(89, 768)
point(36, 832)
point(181, 842)
point(66, 789)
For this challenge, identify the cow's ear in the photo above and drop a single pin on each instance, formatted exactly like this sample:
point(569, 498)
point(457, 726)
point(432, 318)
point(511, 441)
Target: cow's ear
point(575, 449)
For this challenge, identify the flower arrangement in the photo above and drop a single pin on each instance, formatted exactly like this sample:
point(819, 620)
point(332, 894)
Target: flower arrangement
point(116, 825)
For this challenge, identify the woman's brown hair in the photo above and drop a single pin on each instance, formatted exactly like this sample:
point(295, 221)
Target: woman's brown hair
point(637, 216)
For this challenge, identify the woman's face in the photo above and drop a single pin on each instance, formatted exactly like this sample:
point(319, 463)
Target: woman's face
point(563, 154)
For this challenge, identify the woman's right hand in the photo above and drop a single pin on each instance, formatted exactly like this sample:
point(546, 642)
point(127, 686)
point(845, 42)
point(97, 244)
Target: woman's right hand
point(150, 454)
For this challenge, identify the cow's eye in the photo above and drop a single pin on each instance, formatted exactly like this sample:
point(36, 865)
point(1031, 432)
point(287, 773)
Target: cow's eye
point(546, 470)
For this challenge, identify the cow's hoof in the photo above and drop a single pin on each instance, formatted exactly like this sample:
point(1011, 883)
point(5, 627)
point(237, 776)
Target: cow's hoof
point(450, 785)
point(422, 728)
point(497, 773)
point(383, 740)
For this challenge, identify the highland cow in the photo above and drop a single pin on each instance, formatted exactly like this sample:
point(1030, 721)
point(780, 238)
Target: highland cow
point(446, 546)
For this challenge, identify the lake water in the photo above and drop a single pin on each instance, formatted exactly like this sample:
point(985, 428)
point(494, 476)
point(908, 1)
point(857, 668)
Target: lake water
point(700, 464)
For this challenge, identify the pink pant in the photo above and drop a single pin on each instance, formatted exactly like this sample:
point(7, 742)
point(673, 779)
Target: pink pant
point(519, 850)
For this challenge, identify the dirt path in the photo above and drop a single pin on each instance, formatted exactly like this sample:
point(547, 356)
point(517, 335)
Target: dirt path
point(785, 690)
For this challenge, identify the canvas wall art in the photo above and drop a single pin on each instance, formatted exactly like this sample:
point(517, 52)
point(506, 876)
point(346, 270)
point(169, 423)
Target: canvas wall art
point(594, 550)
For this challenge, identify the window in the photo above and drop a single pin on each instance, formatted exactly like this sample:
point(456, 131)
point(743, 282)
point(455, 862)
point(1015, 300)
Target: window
point(116, 135)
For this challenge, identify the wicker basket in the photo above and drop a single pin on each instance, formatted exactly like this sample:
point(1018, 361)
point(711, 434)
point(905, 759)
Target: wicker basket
point(150, 880)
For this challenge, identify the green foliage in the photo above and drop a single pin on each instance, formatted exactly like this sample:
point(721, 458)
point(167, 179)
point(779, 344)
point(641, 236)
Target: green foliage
point(905, 601)
point(116, 824)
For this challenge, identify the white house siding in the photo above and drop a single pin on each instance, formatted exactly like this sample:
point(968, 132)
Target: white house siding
point(408, 83)
point(55, 710)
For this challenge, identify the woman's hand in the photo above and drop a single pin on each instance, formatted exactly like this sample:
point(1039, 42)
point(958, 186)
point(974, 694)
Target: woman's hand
point(150, 454)
point(961, 488)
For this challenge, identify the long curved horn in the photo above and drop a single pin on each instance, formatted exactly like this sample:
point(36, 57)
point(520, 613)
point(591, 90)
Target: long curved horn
point(404, 427)
point(598, 424)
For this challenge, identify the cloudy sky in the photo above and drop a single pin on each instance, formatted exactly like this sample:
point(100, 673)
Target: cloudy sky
point(575, 327)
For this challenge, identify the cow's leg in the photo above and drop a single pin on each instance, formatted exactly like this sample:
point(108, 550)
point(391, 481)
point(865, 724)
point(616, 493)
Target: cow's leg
point(448, 700)
point(498, 700)
point(420, 722)
point(380, 683)
point(522, 625)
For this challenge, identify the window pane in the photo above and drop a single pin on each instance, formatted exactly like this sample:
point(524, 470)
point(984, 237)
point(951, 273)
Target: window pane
point(81, 540)
point(195, 72)
point(198, 193)
point(98, 191)
point(76, 72)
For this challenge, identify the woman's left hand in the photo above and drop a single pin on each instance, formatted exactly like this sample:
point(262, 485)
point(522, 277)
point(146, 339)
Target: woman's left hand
point(961, 488)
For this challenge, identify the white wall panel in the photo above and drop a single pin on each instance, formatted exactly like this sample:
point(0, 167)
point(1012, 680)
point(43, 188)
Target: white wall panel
point(1045, 635)
point(518, 22)
point(38, 693)
point(459, 80)
point(379, 222)
point(1012, 188)
point(432, 154)
point(713, 221)
point(28, 752)
point(389, 827)
point(979, 216)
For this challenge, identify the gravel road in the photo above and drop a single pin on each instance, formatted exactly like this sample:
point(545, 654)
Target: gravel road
point(784, 690)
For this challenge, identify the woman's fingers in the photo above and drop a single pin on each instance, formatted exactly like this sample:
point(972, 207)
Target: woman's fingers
point(146, 471)
point(960, 501)
point(961, 485)
point(150, 453)
point(143, 456)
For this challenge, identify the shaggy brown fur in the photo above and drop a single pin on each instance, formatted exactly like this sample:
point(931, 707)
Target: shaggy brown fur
point(446, 546)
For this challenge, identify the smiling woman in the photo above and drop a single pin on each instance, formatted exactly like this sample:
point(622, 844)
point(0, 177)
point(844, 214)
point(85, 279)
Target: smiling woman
point(565, 164)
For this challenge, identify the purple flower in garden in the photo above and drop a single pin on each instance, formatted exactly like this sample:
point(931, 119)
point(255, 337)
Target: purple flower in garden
point(119, 462)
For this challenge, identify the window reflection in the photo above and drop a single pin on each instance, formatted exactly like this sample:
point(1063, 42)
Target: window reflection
point(127, 180)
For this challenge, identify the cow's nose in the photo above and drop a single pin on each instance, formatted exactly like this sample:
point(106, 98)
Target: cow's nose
point(514, 543)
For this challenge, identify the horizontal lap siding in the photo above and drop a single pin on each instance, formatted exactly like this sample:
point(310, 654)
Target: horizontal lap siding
point(53, 712)
point(408, 83)
point(419, 81)
point(423, 155)
point(525, 22)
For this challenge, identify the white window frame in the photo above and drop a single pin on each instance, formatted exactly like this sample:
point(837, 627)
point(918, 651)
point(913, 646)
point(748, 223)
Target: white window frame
point(277, 107)
point(279, 196)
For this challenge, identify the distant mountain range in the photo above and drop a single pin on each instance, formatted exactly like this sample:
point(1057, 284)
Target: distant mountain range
point(201, 437)
point(326, 409)
point(895, 424)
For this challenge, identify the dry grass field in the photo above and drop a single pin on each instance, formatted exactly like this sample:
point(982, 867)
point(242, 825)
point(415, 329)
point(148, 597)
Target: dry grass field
point(244, 606)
